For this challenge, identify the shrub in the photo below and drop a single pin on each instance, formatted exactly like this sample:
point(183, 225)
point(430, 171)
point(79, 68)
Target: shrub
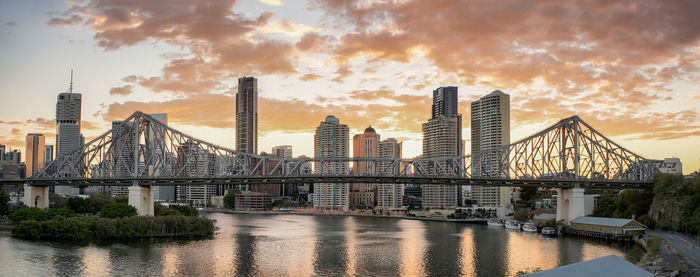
point(27, 213)
point(167, 212)
point(117, 209)
point(185, 210)
point(28, 229)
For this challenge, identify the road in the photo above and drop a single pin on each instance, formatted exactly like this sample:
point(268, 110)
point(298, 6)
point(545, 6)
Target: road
point(686, 247)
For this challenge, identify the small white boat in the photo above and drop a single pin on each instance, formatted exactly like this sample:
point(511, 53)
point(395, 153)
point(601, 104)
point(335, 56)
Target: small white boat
point(513, 225)
point(495, 222)
point(549, 232)
point(529, 227)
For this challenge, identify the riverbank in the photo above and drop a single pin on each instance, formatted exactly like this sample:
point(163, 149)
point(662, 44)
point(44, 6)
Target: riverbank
point(227, 211)
point(661, 258)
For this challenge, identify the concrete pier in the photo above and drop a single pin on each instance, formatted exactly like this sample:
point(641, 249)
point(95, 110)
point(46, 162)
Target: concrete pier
point(570, 204)
point(142, 199)
point(37, 197)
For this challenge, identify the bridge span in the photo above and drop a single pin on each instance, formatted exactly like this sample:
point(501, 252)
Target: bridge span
point(143, 152)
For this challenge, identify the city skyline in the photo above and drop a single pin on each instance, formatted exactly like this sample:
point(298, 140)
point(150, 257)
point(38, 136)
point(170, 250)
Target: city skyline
point(647, 99)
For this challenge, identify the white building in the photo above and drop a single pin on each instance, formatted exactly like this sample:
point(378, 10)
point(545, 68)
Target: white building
point(331, 141)
point(490, 130)
point(671, 166)
point(389, 196)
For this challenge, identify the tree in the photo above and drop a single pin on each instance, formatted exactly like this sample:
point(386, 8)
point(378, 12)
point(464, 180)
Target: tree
point(528, 194)
point(97, 201)
point(167, 212)
point(77, 204)
point(522, 215)
point(230, 198)
point(29, 213)
point(117, 209)
point(185, 210)
point(4, 206)
point(57, 201)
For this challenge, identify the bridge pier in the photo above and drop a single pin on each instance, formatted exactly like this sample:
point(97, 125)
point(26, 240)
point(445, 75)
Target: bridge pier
point(142, 199)
point(37, 197)
point(570, 204)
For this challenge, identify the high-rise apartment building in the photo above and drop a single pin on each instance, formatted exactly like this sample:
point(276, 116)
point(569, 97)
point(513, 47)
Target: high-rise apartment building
point(14, 156)
point(365, 145)
point(389, 196)
point(284, 151)
point(2, 152)
point(34, 159)
point(247, 115)
point(48, 154)
point(68, 136)
point(331, 141)
point(196, 161)
point(490, 131)
point(442, 137)
point(122, 156)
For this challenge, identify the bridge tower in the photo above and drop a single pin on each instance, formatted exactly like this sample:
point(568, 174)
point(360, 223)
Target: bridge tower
point(37, 197)
point(141, 197)
point(570, 204)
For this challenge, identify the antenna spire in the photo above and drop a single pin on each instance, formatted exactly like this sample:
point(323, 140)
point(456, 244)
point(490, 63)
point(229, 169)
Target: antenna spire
point(70, 89)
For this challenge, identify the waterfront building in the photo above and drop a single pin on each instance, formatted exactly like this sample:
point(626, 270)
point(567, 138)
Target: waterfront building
point(34, 159)
point(610, 265)
point(331, 141)
point(605, 225)
point(490, 131)
point(365, 145)
point(247, 115)
point(390, 196)
point(442, 137)
point(252, 201)
point(48, 154)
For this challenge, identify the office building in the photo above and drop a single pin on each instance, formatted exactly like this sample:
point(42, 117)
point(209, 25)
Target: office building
point(442, 137)
point(247, 115)
point(2, 152)
point(390, 196)
point(48, 154)
point(489, 133)
point(14, 156)
point(196, 162)
point(122, 156)
point(671, 166)
point(331, 141)
point(34, 151)
point(365, 145)
point(68, 136)
point(284, 151)
point(157, 143)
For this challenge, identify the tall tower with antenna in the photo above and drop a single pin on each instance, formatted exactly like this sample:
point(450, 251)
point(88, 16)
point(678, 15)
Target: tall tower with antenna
point(68, 136)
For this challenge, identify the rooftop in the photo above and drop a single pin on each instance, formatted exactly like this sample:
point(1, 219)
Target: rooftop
point(546, 216)
point(604, 266)
point(603, 221)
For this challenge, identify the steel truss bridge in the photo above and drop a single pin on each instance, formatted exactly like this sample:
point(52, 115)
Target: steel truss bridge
point(143, 151)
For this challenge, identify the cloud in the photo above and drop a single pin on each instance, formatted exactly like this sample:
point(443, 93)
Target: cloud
point(218, 42)
point(310, 77)
point(123, 90)
point(43, 123)
point(342, 72)
point(271, 2)
point(11, 24)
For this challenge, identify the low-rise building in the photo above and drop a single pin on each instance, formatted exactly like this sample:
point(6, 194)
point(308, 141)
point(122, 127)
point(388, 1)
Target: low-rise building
point(604, 266)
point(252, 201)
point(604, 225)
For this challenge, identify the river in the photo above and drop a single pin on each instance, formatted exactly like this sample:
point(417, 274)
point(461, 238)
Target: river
point(299, 245)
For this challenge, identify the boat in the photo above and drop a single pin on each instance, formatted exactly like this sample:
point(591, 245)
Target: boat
point(495, 222)
point(529, 227)
point(513, 225)
point(549, 232)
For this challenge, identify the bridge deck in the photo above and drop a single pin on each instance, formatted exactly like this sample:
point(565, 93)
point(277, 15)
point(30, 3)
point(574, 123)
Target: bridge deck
point(255, 180)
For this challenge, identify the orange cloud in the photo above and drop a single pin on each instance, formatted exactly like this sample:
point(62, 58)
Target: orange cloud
point(123, 90)
point(310, 77)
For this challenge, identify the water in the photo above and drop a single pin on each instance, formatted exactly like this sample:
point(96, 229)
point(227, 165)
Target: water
point(291, 245)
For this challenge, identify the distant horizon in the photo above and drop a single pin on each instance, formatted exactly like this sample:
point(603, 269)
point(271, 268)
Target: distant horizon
point(635, 80)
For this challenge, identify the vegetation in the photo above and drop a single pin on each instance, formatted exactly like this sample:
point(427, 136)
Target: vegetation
point(673, 203)
point(89, 228)
point(116, 209)
point(230, 198)
point(522, 215)
point(4, 203)
point(117, 220)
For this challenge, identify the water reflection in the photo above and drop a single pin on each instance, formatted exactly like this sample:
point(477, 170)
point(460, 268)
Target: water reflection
point(290, 245)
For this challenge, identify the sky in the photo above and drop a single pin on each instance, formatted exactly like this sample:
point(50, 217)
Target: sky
point(630, 69)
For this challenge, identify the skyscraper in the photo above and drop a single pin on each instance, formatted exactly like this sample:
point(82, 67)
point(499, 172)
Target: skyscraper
point(68, 136)
point(48, 154)
point(247, 115)
point(490, 130)
point(331, 141)
point(2, 152)
point(122, 157)
point(157, 143)
point(389, 196)
point(34, 158)
point(284, 151)
point(442, 137)
point(365, 145)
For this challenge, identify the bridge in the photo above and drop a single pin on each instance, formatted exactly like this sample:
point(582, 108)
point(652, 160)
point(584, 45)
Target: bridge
point(142, 152)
